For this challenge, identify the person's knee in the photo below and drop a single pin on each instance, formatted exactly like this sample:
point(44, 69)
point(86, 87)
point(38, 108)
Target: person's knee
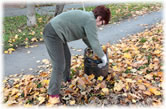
point(60, 67)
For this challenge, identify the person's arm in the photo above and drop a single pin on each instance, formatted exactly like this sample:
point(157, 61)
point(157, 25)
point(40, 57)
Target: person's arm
point(91, 33)
point(85, 40)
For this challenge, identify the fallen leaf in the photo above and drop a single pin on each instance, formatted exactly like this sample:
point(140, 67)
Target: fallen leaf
point(100, 78)
point(45, 61)
point(72, 102)
point(44, 74)
point(160, 74)
point(154, 91)
point(90, 77)
point(105, 91)
point(127, 55)
point(149, 76)
point(141, 87)
point(41, 100)
point(118, 86)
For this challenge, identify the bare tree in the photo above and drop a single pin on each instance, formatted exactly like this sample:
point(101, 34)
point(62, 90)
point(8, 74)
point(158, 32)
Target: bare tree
point(59, 8)
point(31, 17)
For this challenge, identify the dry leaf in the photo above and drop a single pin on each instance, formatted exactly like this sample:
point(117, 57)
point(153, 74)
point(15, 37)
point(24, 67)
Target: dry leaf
point(90, 77)
point(105, 91)
point(100, 78)
point(127, 55)
point(149, 76)
point(45, 61)
point(118, 86)
point(44, 74)
point(154, 91)
point(41, 100)
point(141, 87)
point(72, 102)
point(160, 74)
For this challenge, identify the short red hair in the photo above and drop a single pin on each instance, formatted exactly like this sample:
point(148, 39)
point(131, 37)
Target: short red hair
point(103, 12)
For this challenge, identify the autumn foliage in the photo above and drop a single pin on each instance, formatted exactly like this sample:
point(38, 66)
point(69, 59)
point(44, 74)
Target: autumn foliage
point(135, 77)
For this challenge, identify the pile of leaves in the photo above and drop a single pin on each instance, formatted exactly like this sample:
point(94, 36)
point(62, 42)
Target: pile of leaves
point(135, 77)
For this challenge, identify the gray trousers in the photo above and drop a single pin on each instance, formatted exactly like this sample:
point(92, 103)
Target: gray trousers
point(60, 58)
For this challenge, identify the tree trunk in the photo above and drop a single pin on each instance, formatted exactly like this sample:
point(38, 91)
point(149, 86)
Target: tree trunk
point(59, 8)
point(31, 17)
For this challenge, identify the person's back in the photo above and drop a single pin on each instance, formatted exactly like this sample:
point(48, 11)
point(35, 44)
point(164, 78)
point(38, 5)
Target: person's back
point(71, 24)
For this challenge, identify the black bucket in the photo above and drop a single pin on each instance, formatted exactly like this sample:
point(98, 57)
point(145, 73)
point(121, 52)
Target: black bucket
point(91, 65)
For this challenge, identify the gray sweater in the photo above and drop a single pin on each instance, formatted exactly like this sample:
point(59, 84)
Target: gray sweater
point(76, 24)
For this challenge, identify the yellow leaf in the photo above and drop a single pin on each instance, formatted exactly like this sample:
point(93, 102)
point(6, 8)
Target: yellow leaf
point(6, 52)
point(115, 68)
point(129, 67)
point(45, 82)
point(41, 100)
point(154, 91)
point(4, 81)
point(11, 49)
point(104, 48)
point(127, 55)
point(72, 102)
point(17, 85)
point(140, 81)
point(40, 19)
point(14, 91)
point(127, 87)
point(109, 53)
point(100, 78)
point(16, 96)
point(105, 90)
point(27, 105)
point(14, 40)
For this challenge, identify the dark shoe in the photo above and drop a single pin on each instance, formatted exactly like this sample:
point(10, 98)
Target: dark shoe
point(69, 80)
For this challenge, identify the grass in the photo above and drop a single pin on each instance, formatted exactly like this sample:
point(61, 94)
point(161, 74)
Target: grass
point(16, 33)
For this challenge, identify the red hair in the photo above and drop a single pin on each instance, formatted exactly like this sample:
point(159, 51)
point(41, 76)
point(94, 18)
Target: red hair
point(103, 12)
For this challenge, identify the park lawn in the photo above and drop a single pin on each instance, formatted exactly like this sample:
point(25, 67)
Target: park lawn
point(16, 33)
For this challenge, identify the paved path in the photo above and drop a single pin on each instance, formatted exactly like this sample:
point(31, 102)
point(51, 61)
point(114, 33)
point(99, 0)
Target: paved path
point(20, 60)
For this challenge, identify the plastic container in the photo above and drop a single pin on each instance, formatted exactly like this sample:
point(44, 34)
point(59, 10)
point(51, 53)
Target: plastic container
point(91, 65)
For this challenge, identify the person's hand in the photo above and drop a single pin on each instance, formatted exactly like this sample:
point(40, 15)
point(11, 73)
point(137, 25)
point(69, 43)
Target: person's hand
point(104, 61)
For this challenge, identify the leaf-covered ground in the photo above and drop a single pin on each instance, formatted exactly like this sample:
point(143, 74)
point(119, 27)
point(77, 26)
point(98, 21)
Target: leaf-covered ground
point(135, 77)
